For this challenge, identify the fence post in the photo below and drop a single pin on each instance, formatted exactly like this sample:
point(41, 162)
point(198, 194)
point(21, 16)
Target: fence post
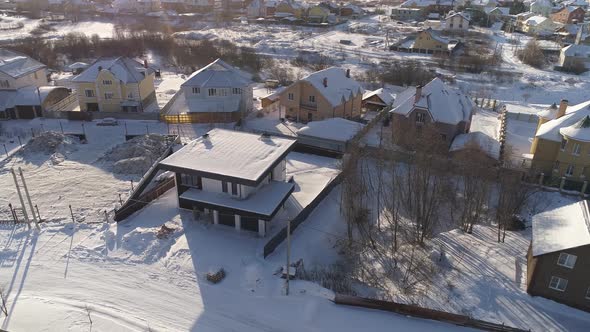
point(584, 186)
point(562, 183)
point(541, 177)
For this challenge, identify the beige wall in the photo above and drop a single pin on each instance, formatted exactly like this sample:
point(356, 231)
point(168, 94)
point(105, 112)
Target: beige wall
point(37, 78)
point(300, 107)
point(425, 42)
point(546, 153)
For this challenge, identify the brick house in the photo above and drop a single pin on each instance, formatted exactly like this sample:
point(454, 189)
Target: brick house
point(569, 14)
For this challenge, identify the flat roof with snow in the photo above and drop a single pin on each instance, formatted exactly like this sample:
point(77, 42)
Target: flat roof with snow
point(230, 155)
point(264, 203)
point(559, 229)
point(336, 129)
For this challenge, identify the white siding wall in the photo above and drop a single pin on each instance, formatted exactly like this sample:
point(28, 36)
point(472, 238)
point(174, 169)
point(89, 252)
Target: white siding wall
point(245, 99)
point(279, 173)
point(212, 185)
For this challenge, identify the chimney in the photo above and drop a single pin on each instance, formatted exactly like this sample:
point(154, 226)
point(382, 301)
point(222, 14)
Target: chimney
point(145, 63)
point(325, 82)
point(562, 108)
point(348, 73)
point(418, 93)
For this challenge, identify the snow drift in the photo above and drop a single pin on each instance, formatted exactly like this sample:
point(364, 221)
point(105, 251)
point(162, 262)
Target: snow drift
point(50, 143)
point(137, 155)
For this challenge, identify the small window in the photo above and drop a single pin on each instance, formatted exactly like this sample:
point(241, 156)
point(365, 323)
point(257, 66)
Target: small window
point(290, 96)
point(558, 284)
point(567, 260)
point(234, 189)
point(4, 84)
point(563, 144)
point(312, 99)
point(443, 137)
point(212, 92)
point(107, 82)
point(420, 117)
point(570, 170)
point(224, 186)
point(577, 148)
point(108, 95)
point(237, 91)
point(89, 93)
point(196, 91)
point(223, 92)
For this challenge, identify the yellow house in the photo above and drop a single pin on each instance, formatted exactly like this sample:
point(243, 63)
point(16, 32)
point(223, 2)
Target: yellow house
point(328, 93)
point(318, 14)
point(115, 85)
point(429, 40)
point(561, 146)
point(290, 7)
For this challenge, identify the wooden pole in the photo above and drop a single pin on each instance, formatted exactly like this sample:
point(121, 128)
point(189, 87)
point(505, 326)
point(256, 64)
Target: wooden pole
point(22, 177)
point(72, 214)
point(288, 253)
point(38, 214)
point(5, 150)
point(20, 197)
point(120, 200)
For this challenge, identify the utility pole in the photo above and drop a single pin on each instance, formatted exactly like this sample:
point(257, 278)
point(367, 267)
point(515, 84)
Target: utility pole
point(20, 196)
point(28, 198)
point(288, 253)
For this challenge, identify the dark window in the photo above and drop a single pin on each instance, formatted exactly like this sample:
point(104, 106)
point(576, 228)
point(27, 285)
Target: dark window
point(234, 189)
point(224, 186)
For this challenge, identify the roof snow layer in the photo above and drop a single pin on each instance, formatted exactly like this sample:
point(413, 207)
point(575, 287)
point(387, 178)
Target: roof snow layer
point(551, 129)
point(124, 69)
point(339, 86)
point(226, 153)
point(218, 74)
point(15, 64)
point(563, 228)
point(445, 105)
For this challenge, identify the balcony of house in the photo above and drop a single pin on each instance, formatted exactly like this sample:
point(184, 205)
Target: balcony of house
point(309, 106)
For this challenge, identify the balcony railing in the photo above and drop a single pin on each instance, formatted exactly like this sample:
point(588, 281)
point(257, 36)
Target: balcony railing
point(309, 106)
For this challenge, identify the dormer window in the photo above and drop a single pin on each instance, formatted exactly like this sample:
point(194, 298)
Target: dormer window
point(420, 117)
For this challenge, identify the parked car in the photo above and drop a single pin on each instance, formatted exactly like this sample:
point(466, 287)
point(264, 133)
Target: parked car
point(108, 122)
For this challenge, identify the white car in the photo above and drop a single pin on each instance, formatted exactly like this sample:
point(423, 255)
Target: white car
point(108, 122)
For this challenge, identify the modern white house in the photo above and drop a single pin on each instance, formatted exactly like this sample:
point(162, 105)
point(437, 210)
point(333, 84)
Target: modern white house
point(456, 21)
point(218, 92)
point(575, 55)
point(238, 178)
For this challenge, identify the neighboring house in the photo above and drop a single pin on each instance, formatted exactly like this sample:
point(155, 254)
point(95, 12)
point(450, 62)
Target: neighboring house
point(521, 18)
point(218, 93)
point(569, 15)
point(497, 14)
point(558, 259)
point(238, 178)
point(23, 87)
point(256, 8)
point(561, 146)
point(573, 56)
point(115, 85)
point(538, 26)
point(542, 7)
point(456, 21)
point(289, 7)
point(327, 93)
point(576, 3)
point(403, 13)
point(378, 99)
point(446, 110)
point(350, 10)
point(318, 14)
point(426, 41)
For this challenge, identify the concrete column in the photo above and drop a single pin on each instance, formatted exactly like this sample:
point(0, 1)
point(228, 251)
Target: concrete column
point(261, 227)
point(215, 217)
point(206, 210)
point(238, 219)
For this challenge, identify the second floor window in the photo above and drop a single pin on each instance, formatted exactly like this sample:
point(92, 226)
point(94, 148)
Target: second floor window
point(570, 170)
point(577, 148)
point(563, 144)
point(567, 260)
point(4, 84)
point(224, 186)
point(234, 189)
point(558, 284)
point(196, 91)
point(290, 96)
point(89, 93)
point(212, 92)
point(420, 118)
point(237, 91)
point(107, 82)
point(312, 99)
point(108, 95)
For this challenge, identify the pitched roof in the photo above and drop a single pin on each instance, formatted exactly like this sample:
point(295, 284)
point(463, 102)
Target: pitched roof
point(560, 229)
point(15, 64)
point(535, 20)
point(487, 144)
point(386, 96)
point(550, 130)
point(339, 87)
point(576, 50)
point(218, 74)
point(124, 69)
point(445, 105)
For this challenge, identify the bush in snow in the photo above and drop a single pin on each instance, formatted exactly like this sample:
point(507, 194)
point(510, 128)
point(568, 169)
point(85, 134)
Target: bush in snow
point(137, 155)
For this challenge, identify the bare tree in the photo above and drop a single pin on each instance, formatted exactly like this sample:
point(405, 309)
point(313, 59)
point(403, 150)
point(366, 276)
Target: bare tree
point(3, 302)
point(513, 195)
point(89, 318)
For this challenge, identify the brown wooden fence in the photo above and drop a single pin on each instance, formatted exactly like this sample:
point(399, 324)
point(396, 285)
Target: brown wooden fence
point(415, 311)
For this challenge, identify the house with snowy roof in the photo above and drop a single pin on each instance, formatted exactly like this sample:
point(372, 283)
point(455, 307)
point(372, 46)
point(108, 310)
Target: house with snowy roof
point(456, 21)
point(378, 99)
point(327, 93)
point(433, 105)
point(218, 93)
point(24, 89)
point(239, 179)
point(426, 41)
point(539, 26)
point(575, 56)
point(558, 259)
point(116, 84)
point(561, 146)
point(569, 15)
point(541, 7)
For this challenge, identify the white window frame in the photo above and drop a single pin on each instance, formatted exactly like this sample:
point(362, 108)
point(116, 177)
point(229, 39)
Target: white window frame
point(236, 91)
point(555, 282)
point(196, 90)
point(290, 96)
point(569, 171)
point(107, 82)
point(420, 117)
point(89, 93)
point(312, 99)
point(567, 260)
point(109, 95)
point(576, 149)
point(212, 92)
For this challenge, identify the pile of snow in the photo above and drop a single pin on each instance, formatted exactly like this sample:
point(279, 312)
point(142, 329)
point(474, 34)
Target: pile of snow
point(137, 155)
point(50, 143)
